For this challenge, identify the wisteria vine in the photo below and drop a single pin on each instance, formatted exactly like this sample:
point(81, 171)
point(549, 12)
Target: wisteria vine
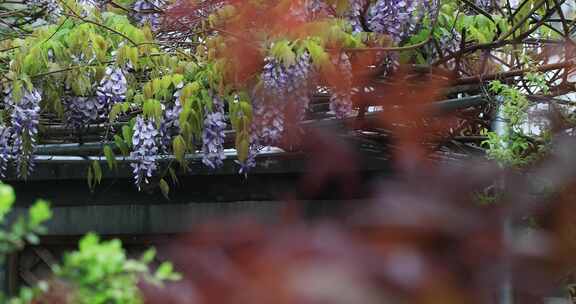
point(110, 71)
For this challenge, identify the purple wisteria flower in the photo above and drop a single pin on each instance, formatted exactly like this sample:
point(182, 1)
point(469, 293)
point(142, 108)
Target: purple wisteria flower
point(145, 150)
point(354, 15)
point(25, 116)
point(341, 104)
point(5, 149)
point(398, 18)
point(81, 111)
point(288, 84)
point(250, 162)
point(170, 125)
point(99, 4)
point(341, 98)
point(487, 5)
point(51, 8)
point(213, 135)
point(148, 11)
point(267, 120)
point(281, 80)
point(446, 44)
point(112, 87)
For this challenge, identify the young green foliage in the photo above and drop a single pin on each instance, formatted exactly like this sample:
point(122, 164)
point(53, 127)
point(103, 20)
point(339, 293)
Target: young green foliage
point(100, 272)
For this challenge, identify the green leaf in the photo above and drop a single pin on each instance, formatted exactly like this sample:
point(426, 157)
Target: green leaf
point(283, 52)
point(39, 213)
point(110, 157)
point(32, 238)
point(7, 199)
point(127, 134)
point(124, 149)
point(132, 54)
point(90, 178)
point(166, 272)
point(148, 255)
point(319, 56)
point(179, 147)
point(173, 176)
point(152, 109)
point(97, 172)
point(88, 242)
point(242, 146)
point(148, 90)
point(177, 79)
point(165, 188)
point(115, 111)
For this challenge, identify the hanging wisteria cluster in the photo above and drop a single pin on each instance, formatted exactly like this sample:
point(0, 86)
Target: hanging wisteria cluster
point(393, 17)
point(5, 149)
point(148, 12)
point(112, 88)
point(268, 120)
point(341, 98)
point(213, 134)
point(487, 5)
point(18, 140)
point(50, 8)
point(149, 140)
point(170, 126)
point(145, 150)
point(355, 13)
point(281, 85)
point(83, 110)
point(288, 84)
point(284, 87)
point(445, 44)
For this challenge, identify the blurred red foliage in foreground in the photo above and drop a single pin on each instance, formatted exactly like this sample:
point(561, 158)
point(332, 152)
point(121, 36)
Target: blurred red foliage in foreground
point(422, 238)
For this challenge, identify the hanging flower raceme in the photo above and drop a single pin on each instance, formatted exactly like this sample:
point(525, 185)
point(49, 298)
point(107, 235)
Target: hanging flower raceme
point(148, 12)
point(98, 4)
point(5, 149)
point(320, 8)
point(268, 120)
point(399, 18)
point(145, 150)
point(112, 87)
point(25, 115)
point(341, 98)
point(354, 15)
point(50, 8)
point(170, 125)
point(288, 83)
point(213, 135)
point(282, 80)
point(81, 111)
point(250, 162)
point(487, 5)
point(446, 45)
